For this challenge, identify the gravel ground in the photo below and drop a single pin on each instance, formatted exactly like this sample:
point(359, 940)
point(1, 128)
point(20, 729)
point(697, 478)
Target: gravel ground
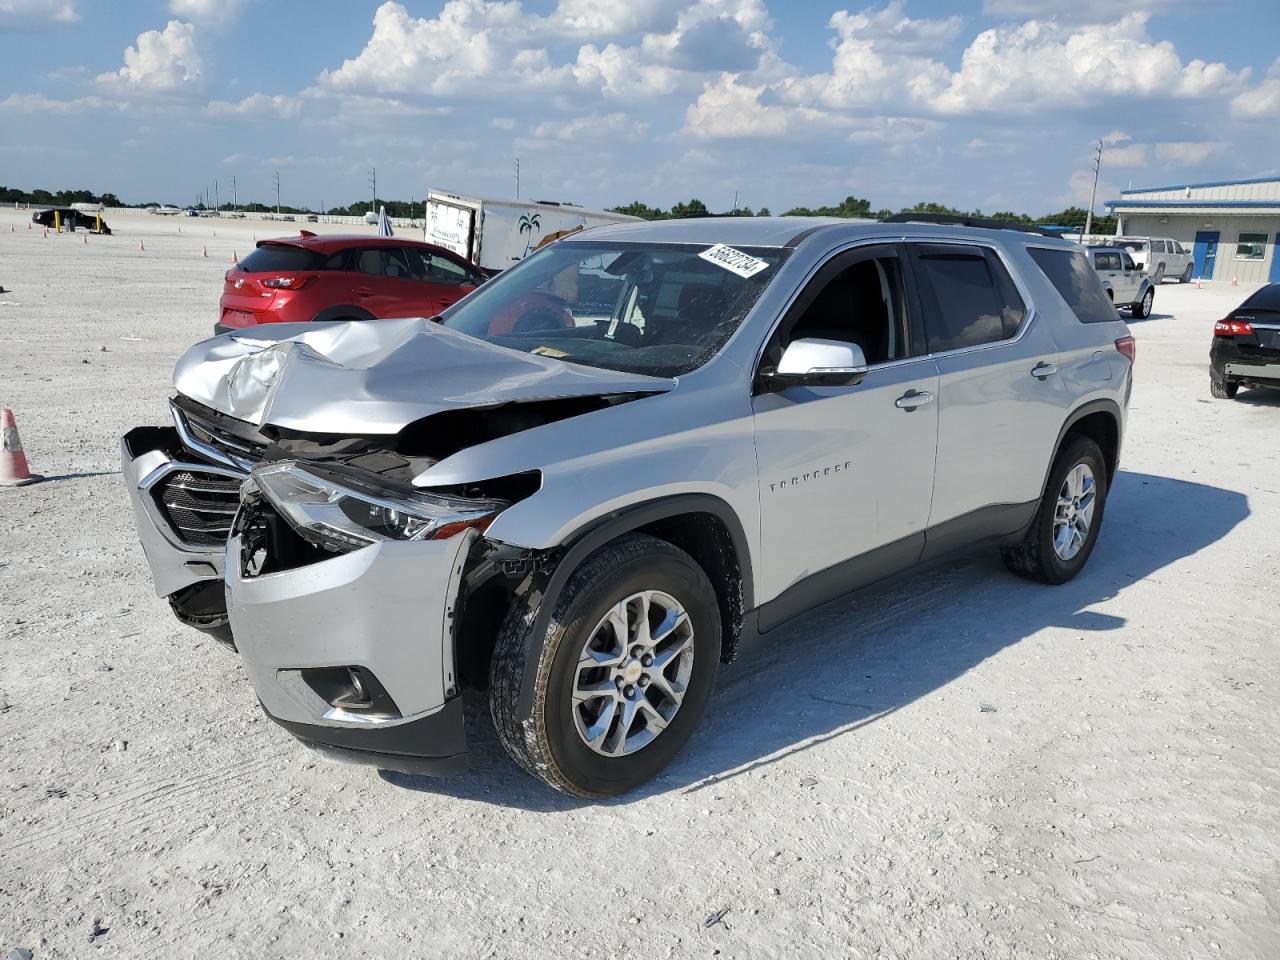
point(963, 765)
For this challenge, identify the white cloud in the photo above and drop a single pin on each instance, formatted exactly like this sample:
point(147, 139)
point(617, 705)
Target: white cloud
point(256, 105)
point(728, 108)
point(163, 61)
point(1078, 11)
point(14, 12)
point(1261, 101)
point(1115, 136)
point(41, 104)
point(1130, 155)
point(213, 13)
point(611, 126)
point(1187, 153)
point(1040, 64)
point(893, 31)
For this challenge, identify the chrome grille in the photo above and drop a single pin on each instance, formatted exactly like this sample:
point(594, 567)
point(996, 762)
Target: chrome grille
point(199, 506)
point(215, 444)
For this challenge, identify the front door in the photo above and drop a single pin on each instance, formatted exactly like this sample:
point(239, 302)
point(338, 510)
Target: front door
point(1206, 252)
point(845, 473)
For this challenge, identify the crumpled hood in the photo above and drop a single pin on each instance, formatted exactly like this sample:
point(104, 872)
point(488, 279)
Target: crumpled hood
point(377, 376)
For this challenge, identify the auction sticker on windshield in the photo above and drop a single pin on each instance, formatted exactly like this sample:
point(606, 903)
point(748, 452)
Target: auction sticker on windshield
point(735, 261)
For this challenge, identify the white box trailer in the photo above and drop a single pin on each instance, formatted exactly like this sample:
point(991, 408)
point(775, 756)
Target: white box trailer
point(494, 234)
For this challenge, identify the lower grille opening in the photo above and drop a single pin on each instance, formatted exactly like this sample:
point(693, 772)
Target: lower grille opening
point(199, 506)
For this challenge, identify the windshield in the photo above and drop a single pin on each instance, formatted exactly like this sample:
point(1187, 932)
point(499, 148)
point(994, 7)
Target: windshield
point(656, 309)
point(1133, 246)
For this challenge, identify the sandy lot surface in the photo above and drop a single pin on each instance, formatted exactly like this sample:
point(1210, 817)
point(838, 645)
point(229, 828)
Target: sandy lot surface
point(964, 765)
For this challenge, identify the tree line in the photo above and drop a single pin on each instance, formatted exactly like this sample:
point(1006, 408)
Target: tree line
point(852, 207)
point(860, 208)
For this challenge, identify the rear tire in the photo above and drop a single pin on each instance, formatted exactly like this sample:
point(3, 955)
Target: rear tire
point(1056, 548)
point(1223, 389)
point(1142, 309)
point(573, 737)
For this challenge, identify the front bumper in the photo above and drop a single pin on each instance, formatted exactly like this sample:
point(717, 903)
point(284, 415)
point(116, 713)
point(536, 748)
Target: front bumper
point(390, 609)
point(149, 455)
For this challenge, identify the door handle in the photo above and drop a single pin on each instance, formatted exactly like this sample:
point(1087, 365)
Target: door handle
point(912, 399)
point(1042, 370)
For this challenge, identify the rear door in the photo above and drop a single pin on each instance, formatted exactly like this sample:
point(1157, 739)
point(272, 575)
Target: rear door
point(1131, 277)
point(1107, 264)
point(1000, 401)
point(382, 283)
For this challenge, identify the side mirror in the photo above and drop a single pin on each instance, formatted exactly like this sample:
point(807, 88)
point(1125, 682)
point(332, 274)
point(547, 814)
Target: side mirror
point(812, 362)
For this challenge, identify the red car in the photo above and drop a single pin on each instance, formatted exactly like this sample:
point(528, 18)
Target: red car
point(310, 278)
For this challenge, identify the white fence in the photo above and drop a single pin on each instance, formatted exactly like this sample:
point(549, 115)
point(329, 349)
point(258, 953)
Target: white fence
point(239, 215)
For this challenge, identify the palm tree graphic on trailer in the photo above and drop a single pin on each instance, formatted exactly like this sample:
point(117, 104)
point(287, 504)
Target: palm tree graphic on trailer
point(529, 224)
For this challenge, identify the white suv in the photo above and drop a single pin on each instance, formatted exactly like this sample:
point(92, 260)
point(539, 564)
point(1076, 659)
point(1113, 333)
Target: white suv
point(1159, 257)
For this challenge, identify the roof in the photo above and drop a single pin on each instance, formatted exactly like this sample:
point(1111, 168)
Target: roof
point(787, 231)
point(1126, 204)
point(1194, 186)
point(333, 242)
point(735, 231)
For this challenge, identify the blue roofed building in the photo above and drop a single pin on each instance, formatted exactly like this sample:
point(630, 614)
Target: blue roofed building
point(1233, 226)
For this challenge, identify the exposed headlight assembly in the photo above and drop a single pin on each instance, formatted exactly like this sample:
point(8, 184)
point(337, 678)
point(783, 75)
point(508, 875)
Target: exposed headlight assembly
point(342, 517)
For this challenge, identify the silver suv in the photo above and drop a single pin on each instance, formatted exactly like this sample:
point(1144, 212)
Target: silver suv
point(603, 474)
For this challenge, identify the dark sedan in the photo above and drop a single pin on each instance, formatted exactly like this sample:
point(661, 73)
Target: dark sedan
point(70, 219)
point(1246, 345)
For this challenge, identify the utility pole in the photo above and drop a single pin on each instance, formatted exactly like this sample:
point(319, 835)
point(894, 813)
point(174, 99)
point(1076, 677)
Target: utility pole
point(517, 178)
point(235, 197)
point(217, 203)
point(373, 182)
point(735, 203)
point(277, 178)
point(1093, 194)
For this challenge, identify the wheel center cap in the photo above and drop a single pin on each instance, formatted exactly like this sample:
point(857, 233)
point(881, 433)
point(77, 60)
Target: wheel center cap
point(632, 671)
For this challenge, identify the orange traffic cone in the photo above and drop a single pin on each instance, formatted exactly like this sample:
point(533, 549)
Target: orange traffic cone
point(141, 248)
point(28, 224)
point(204, 251)
point(1198, 283)
point(13, 462)
point(46, 231)
point(1235, 281)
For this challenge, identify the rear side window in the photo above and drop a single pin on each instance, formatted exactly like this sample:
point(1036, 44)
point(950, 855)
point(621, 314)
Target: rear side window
point(433, 268)
point(969, 298)
point(281, 258)
point(382, 262)
point(1076, 282)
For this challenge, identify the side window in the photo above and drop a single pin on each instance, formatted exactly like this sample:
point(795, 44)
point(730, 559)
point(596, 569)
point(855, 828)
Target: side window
point(382, 262)
point(862, 303)
point(969, 297)
point(1157, 246)
point(1079, 286)
point(1128, 261)
point(434, 268)
point(1108, 261)
point(338, 261)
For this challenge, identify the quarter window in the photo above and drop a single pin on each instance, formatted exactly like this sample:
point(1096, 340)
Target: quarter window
point(1079, 286)
point(968, 295)
point(434, 268)
point(1251, 246)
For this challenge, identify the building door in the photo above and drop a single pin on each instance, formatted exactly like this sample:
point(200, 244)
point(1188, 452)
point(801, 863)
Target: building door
point(1206, 251)
point(1275, 261)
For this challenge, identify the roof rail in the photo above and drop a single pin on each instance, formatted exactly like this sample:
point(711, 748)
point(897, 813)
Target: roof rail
point(962, 221)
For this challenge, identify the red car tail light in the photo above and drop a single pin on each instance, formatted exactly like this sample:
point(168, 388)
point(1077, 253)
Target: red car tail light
point(1233, 328)
point(286, 283)
point(1129, 347)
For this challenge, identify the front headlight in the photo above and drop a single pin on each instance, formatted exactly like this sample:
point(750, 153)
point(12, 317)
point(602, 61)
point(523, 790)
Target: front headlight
point(343, 517)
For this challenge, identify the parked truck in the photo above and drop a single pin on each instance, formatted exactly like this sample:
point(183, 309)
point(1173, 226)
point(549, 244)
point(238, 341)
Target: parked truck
point(494, 234)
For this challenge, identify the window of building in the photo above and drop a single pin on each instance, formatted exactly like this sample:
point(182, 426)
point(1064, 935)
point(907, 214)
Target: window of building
point(1251, 246)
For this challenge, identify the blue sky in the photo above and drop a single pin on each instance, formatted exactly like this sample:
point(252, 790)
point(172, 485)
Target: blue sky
point(990, 104)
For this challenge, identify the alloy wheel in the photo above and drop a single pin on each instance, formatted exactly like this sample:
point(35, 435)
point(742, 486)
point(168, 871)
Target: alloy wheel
point(1074, 514)
point(633, 672)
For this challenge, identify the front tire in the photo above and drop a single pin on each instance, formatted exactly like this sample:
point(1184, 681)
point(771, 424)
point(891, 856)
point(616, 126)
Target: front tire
point(1223, 389)
point(1068, 519)
point(622, 675)
point(1186, 275)
point(1159, 277)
